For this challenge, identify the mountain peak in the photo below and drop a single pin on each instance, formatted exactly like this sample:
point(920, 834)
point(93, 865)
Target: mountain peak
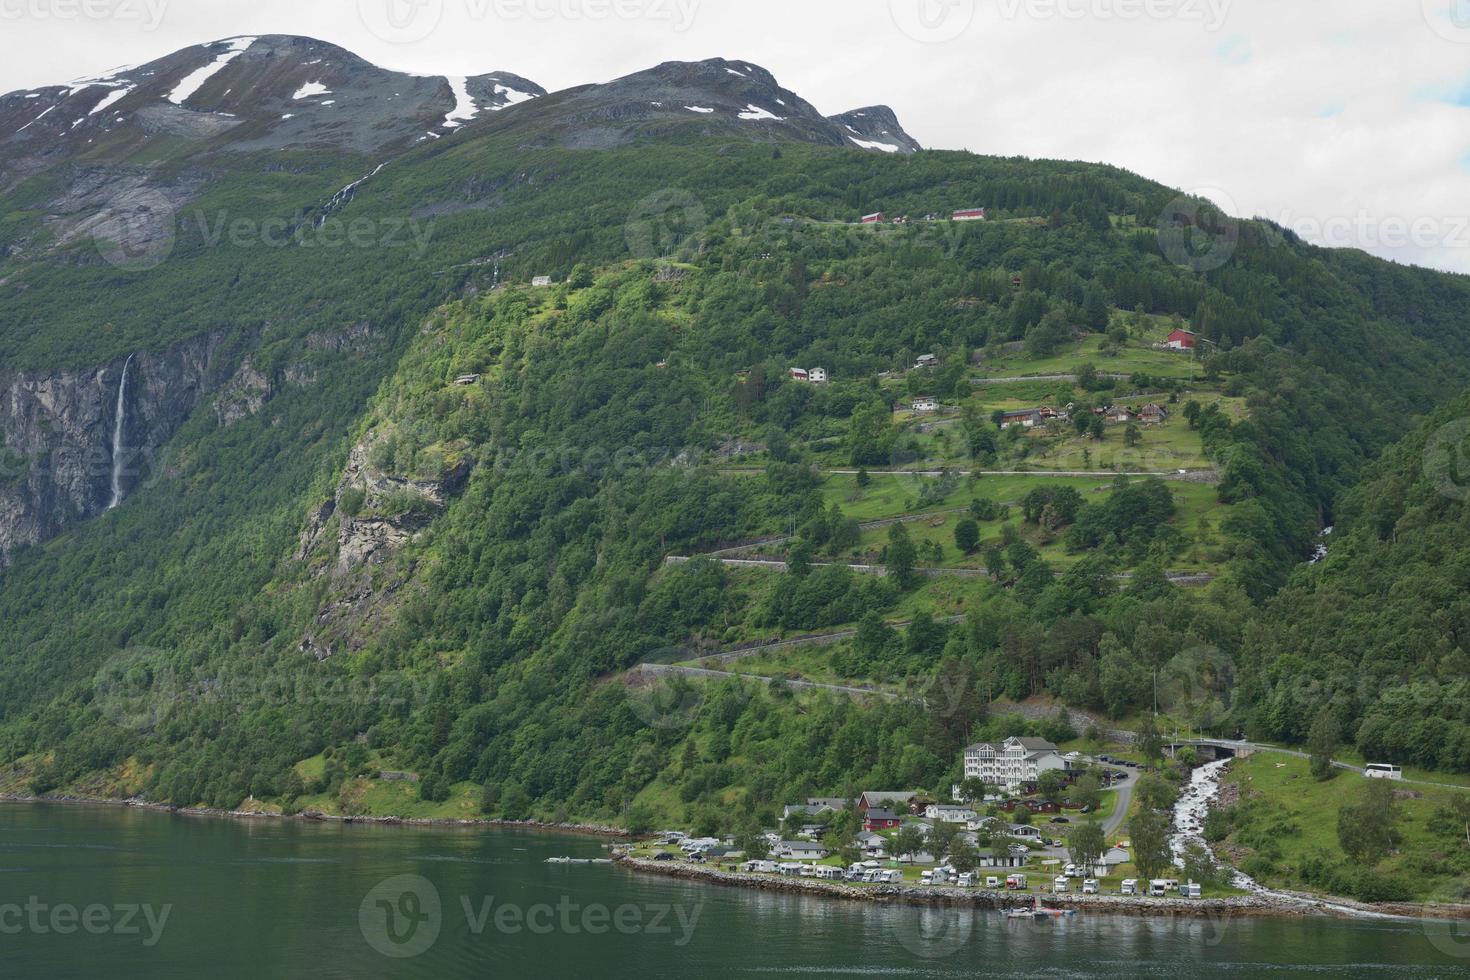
point(714, 96)
point(264, 92)
point(876, 127)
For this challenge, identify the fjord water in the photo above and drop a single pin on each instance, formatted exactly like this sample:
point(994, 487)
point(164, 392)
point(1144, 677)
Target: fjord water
point(285, 899)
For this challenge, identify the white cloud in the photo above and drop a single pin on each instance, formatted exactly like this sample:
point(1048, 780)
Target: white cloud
point(1319, 113)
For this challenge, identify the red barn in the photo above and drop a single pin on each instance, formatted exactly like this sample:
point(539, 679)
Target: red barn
point(970, 214)
point(873, 219)
point(1180, 340)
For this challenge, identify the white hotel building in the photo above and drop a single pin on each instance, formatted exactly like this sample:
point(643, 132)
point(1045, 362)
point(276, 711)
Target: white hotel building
point(1014, 764)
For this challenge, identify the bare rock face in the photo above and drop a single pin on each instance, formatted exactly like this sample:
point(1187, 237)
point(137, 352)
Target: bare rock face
point(57, 429)
point(354, 537)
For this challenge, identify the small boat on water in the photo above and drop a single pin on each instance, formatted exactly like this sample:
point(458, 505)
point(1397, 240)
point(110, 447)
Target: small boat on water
point(571, 860)
point(1036, 912)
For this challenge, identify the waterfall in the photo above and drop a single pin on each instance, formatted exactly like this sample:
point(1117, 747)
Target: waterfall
point(120, 417)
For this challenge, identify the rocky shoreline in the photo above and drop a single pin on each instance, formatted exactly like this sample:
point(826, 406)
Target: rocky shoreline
point(1259, 906)
point(316, 816)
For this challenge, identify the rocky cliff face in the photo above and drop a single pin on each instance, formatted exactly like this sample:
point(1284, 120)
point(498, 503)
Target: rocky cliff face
point(352, 538)
point(57, 430)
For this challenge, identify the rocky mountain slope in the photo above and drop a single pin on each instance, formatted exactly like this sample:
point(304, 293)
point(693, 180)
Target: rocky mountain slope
point(107, 176)
point(247, 94)
point(714, 97)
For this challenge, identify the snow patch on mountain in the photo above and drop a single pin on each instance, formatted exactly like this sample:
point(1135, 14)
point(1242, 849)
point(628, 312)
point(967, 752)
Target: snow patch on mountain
point(753, 112)
point(464, 107)
point(512, 97)
point(868, 145)
point(37, 119)
point(309, 89)
point(195, 80)
point(699, 108)
point(110, 98)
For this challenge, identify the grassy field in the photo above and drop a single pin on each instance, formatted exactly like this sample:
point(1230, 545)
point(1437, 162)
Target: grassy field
point(1295, 821)
point(1138, 357)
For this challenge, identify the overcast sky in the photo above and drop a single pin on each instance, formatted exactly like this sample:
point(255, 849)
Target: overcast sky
point(1348, 120)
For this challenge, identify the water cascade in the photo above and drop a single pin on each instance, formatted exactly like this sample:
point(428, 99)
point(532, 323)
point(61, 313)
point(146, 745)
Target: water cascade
point(119, 419)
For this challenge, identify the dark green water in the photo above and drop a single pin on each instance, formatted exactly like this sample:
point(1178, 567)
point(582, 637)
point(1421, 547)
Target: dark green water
point(88, 892)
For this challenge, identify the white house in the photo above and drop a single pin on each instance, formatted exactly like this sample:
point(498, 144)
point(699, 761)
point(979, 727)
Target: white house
point(1014, 764)
point(817, 376)
point(801, 850)
point(950, 814)
point(926, 403)
point(873, 845)
point(541, 281)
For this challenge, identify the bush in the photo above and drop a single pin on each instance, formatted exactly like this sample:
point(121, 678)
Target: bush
point(351, 501)
point(434, 788)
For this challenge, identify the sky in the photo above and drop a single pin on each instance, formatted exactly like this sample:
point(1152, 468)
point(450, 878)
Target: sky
point(1345, 120)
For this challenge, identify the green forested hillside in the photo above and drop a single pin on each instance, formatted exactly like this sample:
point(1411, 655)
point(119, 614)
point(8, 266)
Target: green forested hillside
point(189, 647)
point(1378, 631)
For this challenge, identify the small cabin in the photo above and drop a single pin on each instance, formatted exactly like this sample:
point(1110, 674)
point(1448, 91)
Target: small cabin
point(970, 214)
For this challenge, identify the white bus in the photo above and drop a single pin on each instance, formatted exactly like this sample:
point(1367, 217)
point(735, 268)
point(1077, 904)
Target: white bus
point(1382, 770)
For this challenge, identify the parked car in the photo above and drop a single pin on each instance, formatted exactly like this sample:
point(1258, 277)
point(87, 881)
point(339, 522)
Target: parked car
point(1061, 819)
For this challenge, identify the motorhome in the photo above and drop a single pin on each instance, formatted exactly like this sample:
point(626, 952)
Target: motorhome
point(1130, 886)
point(1089, 886)
point(1191, 890)
point(991, 881)
point(1158, 888)
point(1016, 883)
point(1059, 884)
